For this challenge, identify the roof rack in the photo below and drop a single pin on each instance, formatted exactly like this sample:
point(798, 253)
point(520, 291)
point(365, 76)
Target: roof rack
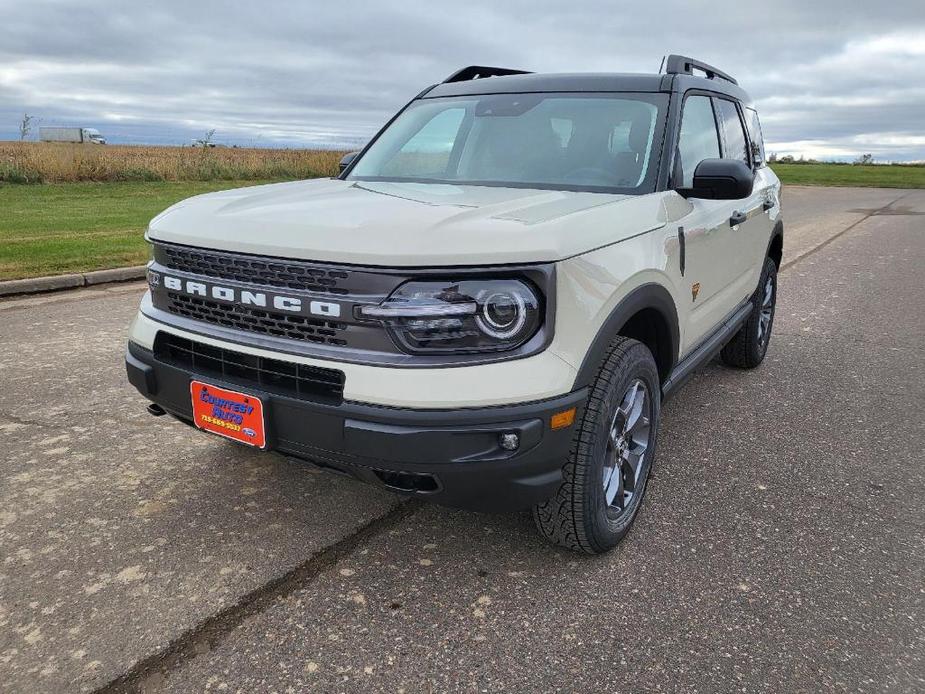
point(477, 72)
point(682, 65)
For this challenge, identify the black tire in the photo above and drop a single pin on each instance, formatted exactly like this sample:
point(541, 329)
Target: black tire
point(747, 348)
point(578, 516)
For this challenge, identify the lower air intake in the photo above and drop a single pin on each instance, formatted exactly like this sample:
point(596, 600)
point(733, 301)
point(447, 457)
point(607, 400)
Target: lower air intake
point(270, 375)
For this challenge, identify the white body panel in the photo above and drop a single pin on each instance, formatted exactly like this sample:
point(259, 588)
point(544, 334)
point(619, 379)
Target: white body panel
point(593, 284)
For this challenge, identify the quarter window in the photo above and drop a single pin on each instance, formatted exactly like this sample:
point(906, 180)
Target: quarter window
point(698, 139)
point(733, 134)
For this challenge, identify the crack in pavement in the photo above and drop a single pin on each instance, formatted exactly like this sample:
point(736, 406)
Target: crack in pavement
point(22, 421)
point(849, 340)
point(84, 415)
point(210, 632)
point(871, 213)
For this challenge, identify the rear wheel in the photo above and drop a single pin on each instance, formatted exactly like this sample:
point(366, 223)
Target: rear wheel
point(605, 477)
point(747, 348)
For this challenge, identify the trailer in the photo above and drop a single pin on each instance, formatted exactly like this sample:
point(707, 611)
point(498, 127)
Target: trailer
point(90, 136)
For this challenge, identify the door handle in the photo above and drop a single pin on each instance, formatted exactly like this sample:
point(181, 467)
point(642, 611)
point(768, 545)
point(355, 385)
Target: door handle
point(737, 218)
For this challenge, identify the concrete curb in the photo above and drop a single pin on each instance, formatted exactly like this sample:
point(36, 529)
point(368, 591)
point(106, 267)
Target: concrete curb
point(38, 285)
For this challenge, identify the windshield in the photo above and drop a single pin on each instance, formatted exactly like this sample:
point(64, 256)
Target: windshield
point(596, 142)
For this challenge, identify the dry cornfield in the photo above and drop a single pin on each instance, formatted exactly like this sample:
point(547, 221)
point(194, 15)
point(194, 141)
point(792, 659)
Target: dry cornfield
point(44, 162)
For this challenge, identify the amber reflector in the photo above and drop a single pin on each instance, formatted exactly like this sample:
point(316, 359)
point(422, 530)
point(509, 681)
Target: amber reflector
point(563, 419)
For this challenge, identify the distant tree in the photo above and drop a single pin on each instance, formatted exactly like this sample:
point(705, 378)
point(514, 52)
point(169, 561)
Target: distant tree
point(772, 157)
point(786, 159)
point(25, 126)
point(207, 140)
point(864, 160)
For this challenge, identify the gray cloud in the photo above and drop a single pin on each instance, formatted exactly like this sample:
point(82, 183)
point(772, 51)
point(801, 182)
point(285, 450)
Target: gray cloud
point(830, 81)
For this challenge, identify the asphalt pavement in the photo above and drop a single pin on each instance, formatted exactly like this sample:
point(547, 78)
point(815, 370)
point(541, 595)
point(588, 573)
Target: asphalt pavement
point(780, 547)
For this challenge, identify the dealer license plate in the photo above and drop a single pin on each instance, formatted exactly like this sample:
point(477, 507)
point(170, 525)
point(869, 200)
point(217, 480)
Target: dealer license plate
point(234, 415)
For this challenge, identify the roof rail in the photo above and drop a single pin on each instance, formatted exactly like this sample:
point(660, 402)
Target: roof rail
point(477, 72)
point(682, 65)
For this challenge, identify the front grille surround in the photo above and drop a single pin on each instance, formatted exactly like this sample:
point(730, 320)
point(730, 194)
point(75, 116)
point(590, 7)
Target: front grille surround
point(261, 373)
point(256, 271)
point(301, 330)
point(216, 305)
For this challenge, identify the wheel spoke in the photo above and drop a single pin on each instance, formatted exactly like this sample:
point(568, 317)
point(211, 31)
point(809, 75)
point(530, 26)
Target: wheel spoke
point(613, 486)
point(640, 427)
point(635, 408)
point(768, 293)
point(630, 474)
point(626, 406)
point(638, 449)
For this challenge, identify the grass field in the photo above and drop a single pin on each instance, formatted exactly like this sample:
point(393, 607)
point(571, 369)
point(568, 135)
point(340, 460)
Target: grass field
point(44, 162)
point(895, 176)
point(58, 228)
point(75, 227)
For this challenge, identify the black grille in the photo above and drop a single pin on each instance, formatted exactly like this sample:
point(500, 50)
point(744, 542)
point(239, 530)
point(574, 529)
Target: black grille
point(265, 272)
point(257, 320)
point(271, 375)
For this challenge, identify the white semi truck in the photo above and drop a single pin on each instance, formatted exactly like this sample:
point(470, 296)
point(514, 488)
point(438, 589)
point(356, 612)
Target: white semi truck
point(89, 136)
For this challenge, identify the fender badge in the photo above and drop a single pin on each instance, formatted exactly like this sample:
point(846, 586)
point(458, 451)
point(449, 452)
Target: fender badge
point(695, 290)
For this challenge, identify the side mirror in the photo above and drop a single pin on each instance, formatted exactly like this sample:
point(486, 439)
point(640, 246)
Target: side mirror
point(347, 161)
point(721, 179)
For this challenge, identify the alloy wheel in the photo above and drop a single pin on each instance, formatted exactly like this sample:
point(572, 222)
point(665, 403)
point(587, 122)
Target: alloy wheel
point(767, 311)
point(627, 442)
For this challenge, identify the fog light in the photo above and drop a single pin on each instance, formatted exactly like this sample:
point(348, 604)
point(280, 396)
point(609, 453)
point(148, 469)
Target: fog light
point(509, 441)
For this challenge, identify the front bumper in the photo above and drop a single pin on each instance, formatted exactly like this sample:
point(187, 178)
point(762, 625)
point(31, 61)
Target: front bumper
point(452, 457)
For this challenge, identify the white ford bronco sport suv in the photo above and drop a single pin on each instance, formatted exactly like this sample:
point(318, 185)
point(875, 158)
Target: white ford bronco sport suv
point(488, 305)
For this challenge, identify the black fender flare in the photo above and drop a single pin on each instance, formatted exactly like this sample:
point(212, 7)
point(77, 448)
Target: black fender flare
point(776, 232)
point(650, 295)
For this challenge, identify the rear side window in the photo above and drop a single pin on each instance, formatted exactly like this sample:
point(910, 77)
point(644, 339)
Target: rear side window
point(698, 139)
point(754, 131)
point(733, 133)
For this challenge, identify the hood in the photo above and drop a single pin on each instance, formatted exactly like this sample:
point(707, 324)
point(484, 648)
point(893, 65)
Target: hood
point(406, 224)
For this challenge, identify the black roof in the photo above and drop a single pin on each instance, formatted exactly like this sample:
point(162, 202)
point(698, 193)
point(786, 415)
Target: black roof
point(583, 82)
point(565, 82)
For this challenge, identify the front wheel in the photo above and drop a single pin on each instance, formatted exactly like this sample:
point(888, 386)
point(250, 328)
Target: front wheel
point(605, 476)
point(747, 348)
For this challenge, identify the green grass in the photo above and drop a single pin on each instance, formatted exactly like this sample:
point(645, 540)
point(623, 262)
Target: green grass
point(850, 175)
point(58, 228)
point(75, 227)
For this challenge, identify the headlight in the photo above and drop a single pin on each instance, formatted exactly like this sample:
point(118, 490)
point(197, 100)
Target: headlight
point(433, 317)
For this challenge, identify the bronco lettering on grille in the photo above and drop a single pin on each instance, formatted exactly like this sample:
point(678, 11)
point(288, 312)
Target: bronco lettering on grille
point(328, 309)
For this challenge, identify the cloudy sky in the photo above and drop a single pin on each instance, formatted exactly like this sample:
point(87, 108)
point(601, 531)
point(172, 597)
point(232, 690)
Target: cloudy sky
point(830, 81)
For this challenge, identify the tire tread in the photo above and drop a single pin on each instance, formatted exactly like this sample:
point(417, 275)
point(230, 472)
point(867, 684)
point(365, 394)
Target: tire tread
point(743, 351)
point(561, 519)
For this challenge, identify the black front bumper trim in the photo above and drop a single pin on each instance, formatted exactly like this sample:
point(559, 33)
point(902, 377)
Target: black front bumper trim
point(452, 457)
